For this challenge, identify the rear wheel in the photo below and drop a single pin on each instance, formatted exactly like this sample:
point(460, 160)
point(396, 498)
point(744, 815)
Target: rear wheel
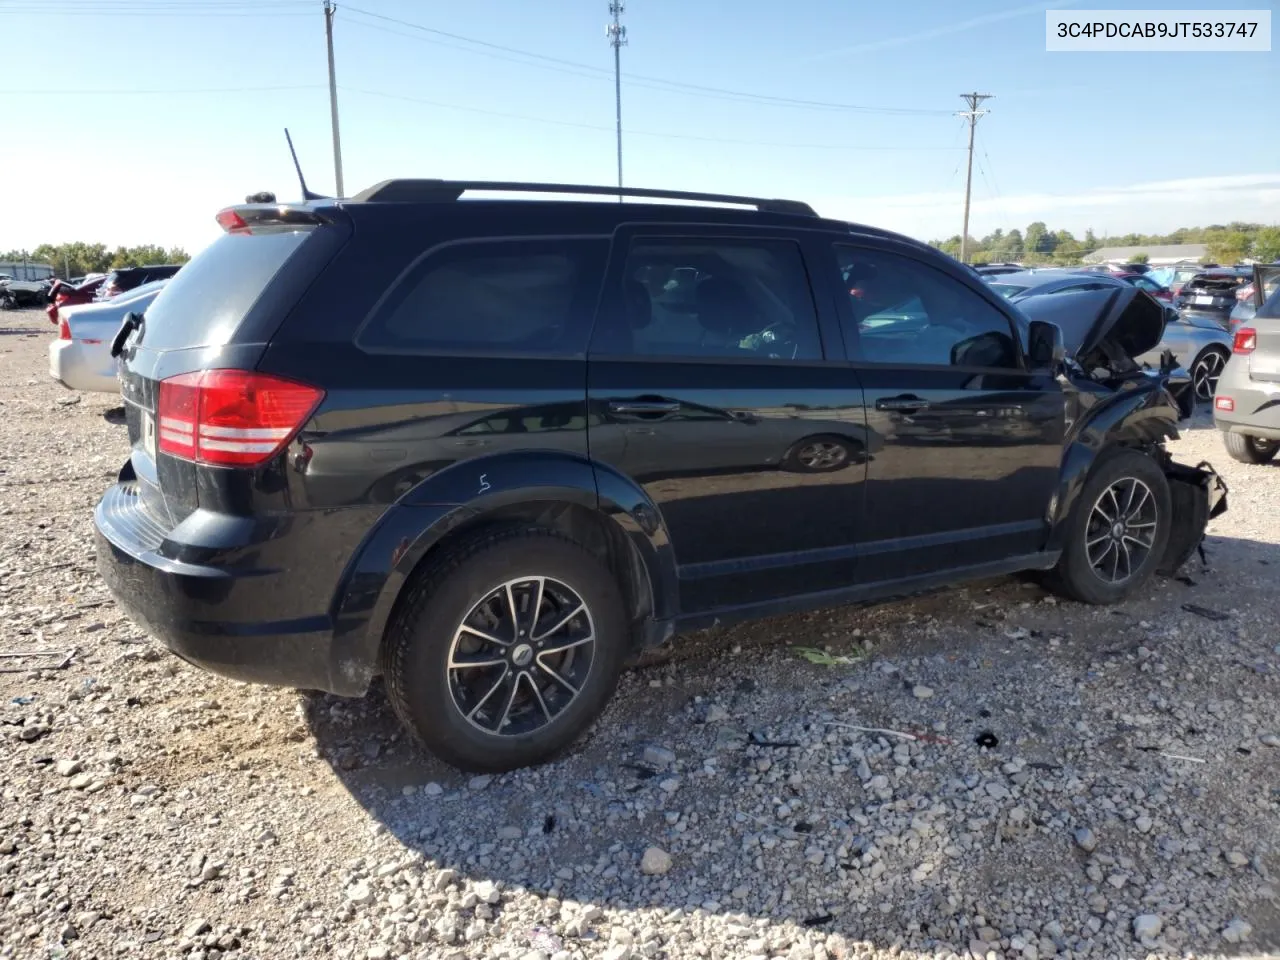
point(1250, 449)
point(1117, 532)
point(506, 649)
point(818, 455)
point(1205, 371)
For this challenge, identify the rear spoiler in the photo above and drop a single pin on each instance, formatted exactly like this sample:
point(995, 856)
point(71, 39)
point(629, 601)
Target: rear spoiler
point(245, 217)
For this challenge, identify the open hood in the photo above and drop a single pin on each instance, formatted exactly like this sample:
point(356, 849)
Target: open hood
point(1099, 326)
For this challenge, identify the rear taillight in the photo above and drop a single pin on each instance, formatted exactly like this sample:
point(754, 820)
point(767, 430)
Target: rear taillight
point(231, 418)
point(1245, 340)
point(1224, 403)
point(230, 221)
point(64, 329)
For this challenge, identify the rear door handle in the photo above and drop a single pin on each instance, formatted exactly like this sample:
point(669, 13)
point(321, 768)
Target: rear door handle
point(904, 404)
point(632, 408)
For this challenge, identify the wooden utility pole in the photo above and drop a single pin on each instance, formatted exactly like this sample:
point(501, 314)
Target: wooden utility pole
point(972, 115)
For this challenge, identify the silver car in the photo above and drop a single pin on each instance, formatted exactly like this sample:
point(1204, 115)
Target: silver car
point(1247, 407)
point(1199, 343)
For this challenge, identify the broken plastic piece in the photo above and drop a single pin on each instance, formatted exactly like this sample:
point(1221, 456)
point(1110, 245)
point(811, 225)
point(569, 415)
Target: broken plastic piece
point(1217, 616)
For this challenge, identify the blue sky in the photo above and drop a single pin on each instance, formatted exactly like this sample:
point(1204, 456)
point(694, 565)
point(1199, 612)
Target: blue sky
point(174, 108)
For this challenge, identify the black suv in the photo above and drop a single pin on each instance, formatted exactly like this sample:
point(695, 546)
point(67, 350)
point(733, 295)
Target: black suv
point(492, 448)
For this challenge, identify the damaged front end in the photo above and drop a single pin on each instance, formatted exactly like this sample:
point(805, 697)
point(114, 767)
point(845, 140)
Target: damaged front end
point(1112, 400)
point(1197, 495)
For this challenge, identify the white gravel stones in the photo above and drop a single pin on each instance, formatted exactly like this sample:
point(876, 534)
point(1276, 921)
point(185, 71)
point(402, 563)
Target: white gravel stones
point(1237, 931)
point(1147, 926)
point(655, 861)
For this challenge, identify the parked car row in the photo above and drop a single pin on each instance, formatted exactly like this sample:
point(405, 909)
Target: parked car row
point(80, 358)
point(103, 286)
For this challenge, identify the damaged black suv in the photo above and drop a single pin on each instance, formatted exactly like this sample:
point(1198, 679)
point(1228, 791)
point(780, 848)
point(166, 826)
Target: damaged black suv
point(492, 440)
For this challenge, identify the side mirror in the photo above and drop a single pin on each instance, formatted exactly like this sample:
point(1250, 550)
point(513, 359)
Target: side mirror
point(1047, 349)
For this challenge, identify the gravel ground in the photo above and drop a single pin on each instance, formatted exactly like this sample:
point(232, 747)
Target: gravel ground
point(1082, 781)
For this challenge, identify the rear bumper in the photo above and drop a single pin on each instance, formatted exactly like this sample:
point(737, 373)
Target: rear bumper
point(82, 366)
point(216, 618)
point(1257, 408)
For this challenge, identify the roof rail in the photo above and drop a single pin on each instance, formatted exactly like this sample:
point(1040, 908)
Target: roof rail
point(408, 191)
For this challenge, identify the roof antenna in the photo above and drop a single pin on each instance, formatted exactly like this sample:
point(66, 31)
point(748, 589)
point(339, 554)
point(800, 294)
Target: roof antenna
point(306, 194)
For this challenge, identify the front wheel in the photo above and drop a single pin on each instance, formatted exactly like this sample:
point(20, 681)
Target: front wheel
point(1117, 532)
point(1250, 449)
point(507, 648)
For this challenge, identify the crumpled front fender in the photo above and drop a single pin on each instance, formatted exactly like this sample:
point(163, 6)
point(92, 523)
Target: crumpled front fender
point(1198, 495)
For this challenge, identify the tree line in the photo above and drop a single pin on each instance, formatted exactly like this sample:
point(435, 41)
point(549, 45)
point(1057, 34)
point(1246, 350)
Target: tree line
point(77, 259)
point(1041, 246)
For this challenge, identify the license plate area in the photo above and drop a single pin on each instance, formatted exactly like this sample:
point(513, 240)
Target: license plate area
point(1202, 299)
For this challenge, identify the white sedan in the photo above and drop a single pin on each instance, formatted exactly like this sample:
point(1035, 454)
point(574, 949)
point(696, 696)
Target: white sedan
point(80, 358)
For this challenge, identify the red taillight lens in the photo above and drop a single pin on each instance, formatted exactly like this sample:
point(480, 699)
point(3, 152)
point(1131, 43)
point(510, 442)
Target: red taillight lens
point(1224, 403)
point(230, 220)
point(1246, 339)
point(231, 418)
point(64, 329)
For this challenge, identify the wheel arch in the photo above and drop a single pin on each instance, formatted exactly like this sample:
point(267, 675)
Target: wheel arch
point(1140, 420)
point(593, 504)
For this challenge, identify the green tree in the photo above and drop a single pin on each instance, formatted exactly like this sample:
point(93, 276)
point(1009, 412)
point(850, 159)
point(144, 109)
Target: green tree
point(1140, 258)
point(1266, 244)
point(1228, 246)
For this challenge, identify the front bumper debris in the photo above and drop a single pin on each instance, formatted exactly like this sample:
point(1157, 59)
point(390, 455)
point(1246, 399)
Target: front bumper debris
point(1197, 495)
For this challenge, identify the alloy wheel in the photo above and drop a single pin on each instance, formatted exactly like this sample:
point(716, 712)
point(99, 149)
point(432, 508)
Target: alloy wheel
point(521, 656)
point(822, 455)
point(1205, 374)
point(1121, 531)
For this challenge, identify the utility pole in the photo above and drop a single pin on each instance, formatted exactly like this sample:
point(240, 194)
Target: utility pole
point(617, 35)
point(972, 115)
point(329, 9)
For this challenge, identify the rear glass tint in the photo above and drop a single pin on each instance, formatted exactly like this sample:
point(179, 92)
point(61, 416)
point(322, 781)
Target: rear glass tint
point(498, 296)
point(206, 300)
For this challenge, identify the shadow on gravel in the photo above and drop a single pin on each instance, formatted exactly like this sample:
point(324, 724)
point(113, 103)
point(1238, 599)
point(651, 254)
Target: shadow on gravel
point(770, 810)
point(115, 416)
point(23, 331)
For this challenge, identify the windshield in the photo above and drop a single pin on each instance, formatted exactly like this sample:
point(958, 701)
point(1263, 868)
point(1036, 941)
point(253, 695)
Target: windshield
point(206, 300)
point(1007, 290)
point(141, 291)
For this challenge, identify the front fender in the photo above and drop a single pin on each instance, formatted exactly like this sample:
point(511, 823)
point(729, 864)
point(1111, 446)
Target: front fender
point(1140, 417)
point(386, 558)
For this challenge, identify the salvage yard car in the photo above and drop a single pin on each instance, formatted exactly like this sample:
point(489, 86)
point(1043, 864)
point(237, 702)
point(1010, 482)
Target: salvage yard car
point(1247, 408)
point(80, 358)
point(492, 447)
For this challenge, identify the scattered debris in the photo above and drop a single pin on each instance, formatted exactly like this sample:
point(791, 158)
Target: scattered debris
point(819, 920)
point(62, 664)
point(987, 740)
point(1179, 756)
point(888, 733)
point(824, 659)
point(1217, 616)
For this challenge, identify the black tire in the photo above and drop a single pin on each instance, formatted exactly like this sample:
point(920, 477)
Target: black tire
point(1075, 575)
point(821, 454)
point(1205, 370)
point(1250, 449)
point(418, 648)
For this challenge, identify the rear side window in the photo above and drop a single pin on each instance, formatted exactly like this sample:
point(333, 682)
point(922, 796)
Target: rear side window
point(745, 299)
point(207, 299)
point(493, 296)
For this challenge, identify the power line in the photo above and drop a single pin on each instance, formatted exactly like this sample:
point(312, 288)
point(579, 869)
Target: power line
point(691, 89)
point(972, 115)
point(787, 145)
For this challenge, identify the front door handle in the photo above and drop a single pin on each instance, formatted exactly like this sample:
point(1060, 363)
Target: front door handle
point(903, 404)
point(644, 407)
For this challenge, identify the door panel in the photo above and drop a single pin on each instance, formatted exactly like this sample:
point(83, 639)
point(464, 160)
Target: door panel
point(706, 386)
point(971, 441)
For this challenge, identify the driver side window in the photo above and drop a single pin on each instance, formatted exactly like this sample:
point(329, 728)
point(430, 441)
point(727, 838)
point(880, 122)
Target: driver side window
point(902, 311)
point(712, 298)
